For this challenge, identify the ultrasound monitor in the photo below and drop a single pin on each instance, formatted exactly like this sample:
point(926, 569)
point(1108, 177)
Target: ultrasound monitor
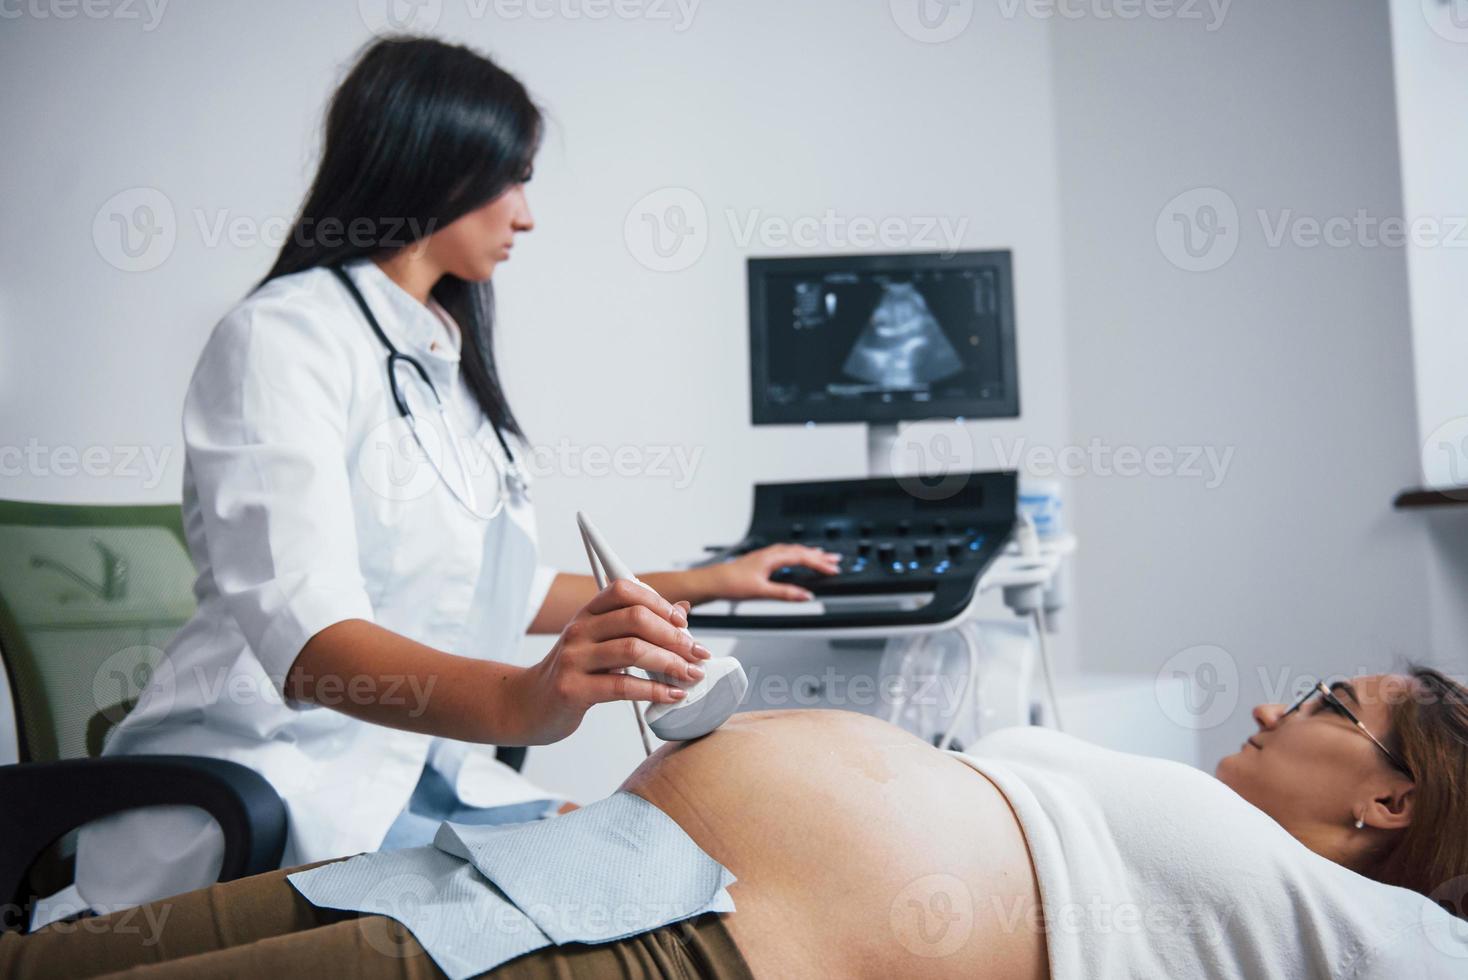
point(882, 338)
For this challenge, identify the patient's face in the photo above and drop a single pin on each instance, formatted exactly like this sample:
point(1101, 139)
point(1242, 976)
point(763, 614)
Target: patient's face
point(1309, 767)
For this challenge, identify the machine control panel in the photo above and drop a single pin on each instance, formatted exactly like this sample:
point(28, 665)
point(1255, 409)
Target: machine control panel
point(895, 535)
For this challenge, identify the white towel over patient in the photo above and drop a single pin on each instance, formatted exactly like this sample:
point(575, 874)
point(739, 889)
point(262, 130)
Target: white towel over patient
point(1150, 868)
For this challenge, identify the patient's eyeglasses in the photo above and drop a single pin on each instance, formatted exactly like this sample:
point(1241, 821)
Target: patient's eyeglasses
point(1335, 704)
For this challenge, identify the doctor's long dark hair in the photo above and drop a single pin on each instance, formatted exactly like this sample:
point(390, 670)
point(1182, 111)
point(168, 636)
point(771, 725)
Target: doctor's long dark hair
point(418, 134)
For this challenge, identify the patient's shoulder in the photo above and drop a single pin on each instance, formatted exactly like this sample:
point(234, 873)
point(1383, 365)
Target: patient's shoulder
point(1432, 945)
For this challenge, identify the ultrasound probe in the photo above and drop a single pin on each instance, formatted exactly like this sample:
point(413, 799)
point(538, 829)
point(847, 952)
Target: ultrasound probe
point(709, 701)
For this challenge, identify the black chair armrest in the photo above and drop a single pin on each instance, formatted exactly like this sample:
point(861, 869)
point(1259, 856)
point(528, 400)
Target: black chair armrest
point(39, 802)
point(511, 755)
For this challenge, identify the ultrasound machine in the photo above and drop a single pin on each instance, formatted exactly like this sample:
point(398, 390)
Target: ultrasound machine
point(879, 340)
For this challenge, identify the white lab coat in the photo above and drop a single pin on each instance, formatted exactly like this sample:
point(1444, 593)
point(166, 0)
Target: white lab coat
point(306, 503)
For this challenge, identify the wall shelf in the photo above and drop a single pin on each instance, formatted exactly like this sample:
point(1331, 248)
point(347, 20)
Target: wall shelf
point(1420, 498)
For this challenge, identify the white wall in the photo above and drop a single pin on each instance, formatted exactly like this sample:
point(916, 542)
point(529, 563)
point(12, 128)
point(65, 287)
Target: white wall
point(767, 109)
point(1295, 356)
point(1430, 45)
point(1430, 42)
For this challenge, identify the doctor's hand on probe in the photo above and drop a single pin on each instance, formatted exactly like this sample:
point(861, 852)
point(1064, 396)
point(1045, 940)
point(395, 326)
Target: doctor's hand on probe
point(376, 675)
point(624, 625)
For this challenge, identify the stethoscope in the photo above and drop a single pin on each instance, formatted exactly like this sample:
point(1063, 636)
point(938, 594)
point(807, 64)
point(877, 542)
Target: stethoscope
point(508, 477)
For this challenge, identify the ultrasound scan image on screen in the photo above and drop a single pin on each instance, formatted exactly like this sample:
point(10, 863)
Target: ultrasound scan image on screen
point(902, 347)
point(867, 344)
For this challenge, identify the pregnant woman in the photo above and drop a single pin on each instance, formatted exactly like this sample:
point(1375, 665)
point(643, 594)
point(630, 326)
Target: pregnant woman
point(863, 852)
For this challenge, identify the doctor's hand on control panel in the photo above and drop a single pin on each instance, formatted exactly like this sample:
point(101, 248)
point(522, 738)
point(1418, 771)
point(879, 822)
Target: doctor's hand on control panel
point(749, 575)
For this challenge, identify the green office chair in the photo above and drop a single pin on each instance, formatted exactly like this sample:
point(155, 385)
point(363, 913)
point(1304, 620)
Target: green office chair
point(89, 597)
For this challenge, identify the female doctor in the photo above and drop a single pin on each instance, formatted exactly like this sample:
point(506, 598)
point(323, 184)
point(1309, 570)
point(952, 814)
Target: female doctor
point(357, 506)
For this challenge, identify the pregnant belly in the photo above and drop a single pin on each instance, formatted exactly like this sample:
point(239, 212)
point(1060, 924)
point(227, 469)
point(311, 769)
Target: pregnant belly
point(860, 850)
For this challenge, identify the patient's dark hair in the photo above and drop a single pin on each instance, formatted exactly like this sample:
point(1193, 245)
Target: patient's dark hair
point(418, 134)
point(1430, 730)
